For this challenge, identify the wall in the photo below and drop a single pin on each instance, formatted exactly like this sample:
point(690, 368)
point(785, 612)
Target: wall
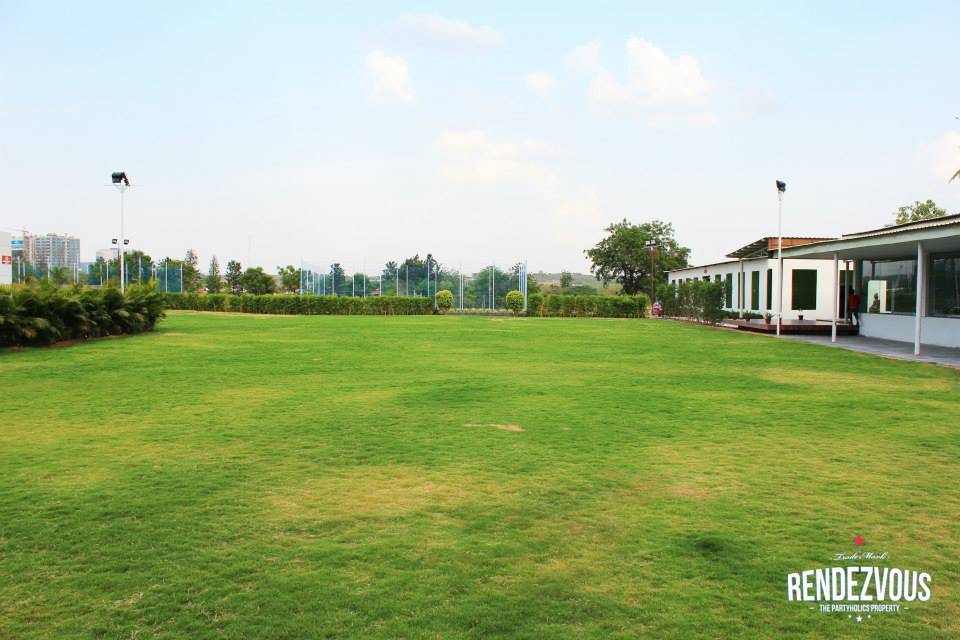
point(942, 332)
point(824, 310)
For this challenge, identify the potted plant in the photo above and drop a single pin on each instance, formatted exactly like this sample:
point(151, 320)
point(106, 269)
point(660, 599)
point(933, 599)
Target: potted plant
point(768, 317)
point(800, 315)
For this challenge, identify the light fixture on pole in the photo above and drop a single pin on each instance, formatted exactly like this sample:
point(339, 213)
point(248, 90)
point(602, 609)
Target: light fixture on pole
point(781, 189)
point(651, 246)
point(120, 181)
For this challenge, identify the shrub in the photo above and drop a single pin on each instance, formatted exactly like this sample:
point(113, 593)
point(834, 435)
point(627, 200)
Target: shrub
point(701, 300)
point(444, 300)
point(286, 304)
point(515, 301)
point(42, 314)
point(564, 306)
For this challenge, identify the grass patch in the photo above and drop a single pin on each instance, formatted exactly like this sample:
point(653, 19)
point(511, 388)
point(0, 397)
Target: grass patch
point(235, 476)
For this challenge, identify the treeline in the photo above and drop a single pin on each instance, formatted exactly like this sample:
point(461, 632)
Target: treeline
point(34, 315)
point(287, 304)
point(564, 306)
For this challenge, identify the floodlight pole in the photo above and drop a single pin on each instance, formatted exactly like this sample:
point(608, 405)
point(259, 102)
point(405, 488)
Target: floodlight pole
point(121, 187)
point(779, 260)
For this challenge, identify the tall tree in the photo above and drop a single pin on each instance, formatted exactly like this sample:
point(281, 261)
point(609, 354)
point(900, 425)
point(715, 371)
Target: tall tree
point(191, 271)
point(234, 277)
point(289, 278)
point(258, 282)
point(566, 279)
point(625, 257)
point(919, 211)
point(214, 282)
point(339, 283)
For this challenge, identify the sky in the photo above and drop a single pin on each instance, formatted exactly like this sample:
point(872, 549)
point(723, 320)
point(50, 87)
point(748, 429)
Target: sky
point(360, 132)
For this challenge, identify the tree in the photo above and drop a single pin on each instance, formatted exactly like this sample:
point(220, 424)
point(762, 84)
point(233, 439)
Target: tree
point(258, 282)
point(289, 278)
point(623, 256)
point(389, 276)
point(214, 282)
point(444, 300)
point(234, 277)
point(339, 283)
point(566, 279)
point(919, 211)
point(515, 302)
point(191, 271)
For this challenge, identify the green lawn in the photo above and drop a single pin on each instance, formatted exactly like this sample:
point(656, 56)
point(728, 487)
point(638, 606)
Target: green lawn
point(236, 476)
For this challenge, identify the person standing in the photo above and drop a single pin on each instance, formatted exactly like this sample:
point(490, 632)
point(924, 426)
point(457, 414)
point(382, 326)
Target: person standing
point(853, 306)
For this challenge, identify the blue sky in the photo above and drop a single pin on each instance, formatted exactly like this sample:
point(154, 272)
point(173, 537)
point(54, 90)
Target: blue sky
point(362, 132)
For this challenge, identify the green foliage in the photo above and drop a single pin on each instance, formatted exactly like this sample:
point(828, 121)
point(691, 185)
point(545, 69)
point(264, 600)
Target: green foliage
point(289, 278)
point(515, 302)
point(623, 256)
point(919, 211)
point(566, 280)
point(286, 304)
point(213, 282)
point(191, 271)
point(562, 306)
point(444, 300)
point(234, 277)
point(700, 300)
point(258, 282)
point(42, 314)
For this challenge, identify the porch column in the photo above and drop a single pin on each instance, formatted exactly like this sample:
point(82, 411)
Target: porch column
point(836, 297)
point(921, 296)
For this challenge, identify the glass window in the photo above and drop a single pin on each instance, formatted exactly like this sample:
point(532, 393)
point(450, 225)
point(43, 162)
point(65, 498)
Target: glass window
point(945, 285)
point(769, 289)
point(729, 291)
point(889, 286)
point(804, 289)
point(755, 290)
point(716, 278)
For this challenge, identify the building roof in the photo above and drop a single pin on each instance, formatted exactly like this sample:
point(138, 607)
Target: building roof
point(938, 235)
point(765, 247)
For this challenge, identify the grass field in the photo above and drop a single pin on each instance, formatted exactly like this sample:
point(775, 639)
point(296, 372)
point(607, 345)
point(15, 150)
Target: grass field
point(236, 476)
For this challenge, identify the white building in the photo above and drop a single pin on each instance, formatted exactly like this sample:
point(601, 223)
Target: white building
point(52, 250)
point(6, 259)
point(751, 275)
point(908, 275)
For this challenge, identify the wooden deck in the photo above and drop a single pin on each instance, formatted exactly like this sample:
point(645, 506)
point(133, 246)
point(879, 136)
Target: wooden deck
point(793, 327)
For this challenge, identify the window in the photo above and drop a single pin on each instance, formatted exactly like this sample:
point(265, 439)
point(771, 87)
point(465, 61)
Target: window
point(945, 285)
point(769, 289)
point(755, 290)
point(804, 289)
point(729, 291)
point(716, 277)
point(889, 286)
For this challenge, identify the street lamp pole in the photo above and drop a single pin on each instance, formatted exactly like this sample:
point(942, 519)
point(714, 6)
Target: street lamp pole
point(121, 182)
point(781, 188)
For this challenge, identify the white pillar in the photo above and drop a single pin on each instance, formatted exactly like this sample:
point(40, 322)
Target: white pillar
point(836, 297)
point(921, 295)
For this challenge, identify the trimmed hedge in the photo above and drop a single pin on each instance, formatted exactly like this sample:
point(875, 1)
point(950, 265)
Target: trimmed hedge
point(289, 304)
point(567, 306)
point(700, 300)
point(33, 315)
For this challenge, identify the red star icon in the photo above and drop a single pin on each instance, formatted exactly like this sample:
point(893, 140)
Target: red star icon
point(858, 540)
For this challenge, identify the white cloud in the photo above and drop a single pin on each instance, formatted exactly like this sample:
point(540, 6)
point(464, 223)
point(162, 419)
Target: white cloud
point(656, 86)
point(474, 156)
point(430, 31)
point(946, 155)
point(540, 82)
point(389, 78)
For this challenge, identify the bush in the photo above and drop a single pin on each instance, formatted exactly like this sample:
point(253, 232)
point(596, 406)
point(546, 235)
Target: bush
point(564, 306)
point(41, 314)
point(444, 300)
point(701, 300)
point(288, 304)
point(515, 301)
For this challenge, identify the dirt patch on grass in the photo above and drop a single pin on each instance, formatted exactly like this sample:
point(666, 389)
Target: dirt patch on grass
point(515, 428)
point(839, 381)
point(370, 492)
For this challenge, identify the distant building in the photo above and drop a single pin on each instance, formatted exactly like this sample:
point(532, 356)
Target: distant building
point(52, 250)
point(106, 254)
point(6, 259)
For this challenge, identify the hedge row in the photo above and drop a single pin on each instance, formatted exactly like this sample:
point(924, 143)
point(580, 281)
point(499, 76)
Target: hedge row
point(567, 306)
point(699, 300)
point(301, 305)
point(33, 315)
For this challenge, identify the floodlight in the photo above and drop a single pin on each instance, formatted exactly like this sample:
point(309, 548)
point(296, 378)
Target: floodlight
point(781, 186)
point(118, 177)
